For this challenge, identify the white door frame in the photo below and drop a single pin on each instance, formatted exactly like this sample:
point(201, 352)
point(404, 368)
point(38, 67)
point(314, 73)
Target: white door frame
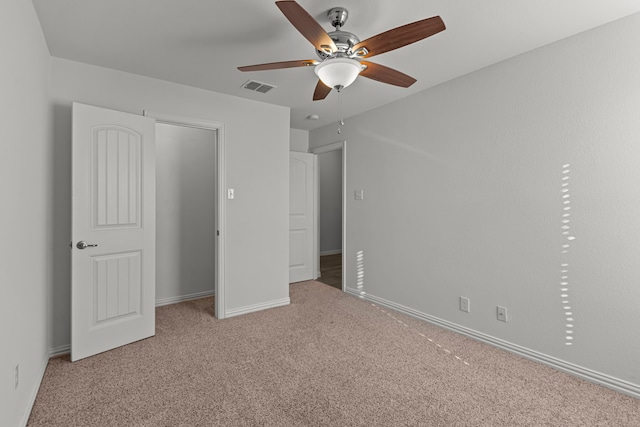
point(340, 145)
point(220, 246)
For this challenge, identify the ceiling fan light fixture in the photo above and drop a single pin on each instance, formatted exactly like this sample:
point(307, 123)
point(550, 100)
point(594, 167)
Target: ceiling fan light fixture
point(338, 73)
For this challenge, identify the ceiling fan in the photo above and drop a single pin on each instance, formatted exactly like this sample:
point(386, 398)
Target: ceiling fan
point(341, 52)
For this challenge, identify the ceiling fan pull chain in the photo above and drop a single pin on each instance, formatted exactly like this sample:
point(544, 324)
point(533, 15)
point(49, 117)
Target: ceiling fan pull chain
point(341, 121)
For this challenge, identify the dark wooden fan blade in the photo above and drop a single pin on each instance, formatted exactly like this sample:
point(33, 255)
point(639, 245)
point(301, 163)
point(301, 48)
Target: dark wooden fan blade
point(400, 36)
point(307, 26)
point(321, 92)
point(279, 65)
point(386, 75)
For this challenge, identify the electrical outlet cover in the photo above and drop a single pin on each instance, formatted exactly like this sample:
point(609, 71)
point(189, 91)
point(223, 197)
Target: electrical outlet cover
point(465, 304)
point(502, 314)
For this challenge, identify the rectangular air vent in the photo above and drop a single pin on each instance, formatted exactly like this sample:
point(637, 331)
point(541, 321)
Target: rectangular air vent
point(258, 86)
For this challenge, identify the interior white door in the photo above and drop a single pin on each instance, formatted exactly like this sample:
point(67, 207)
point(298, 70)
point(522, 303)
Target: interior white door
point(113, 230)
point(301, 217)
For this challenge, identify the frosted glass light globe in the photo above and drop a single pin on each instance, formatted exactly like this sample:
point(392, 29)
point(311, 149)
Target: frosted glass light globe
point(338, 73)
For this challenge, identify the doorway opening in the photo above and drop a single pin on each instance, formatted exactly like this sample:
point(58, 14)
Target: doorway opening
point(185, 212)
point(190, 207)
point(331, 178)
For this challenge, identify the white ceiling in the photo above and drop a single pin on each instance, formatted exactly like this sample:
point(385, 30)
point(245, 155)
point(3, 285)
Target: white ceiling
point(201, 42)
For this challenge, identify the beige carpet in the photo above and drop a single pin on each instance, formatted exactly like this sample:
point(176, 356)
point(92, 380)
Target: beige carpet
point(328, 359)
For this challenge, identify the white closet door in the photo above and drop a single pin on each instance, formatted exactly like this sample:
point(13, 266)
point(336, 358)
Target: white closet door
point(301, 216)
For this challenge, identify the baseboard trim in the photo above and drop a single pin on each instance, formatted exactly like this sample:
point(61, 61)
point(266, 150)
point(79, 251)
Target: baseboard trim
point(355, 292)
point(257, 307)
point(34, 392)
point(616, 384)
point(182, 298)
point(59, 351)
point(333, 252)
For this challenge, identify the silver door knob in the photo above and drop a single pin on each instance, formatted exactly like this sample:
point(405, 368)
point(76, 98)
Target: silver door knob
point(83, 245)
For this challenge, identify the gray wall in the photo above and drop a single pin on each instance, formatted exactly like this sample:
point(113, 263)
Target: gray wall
point(257, 246)
point(27, 205)
point(185, 212)
point(330, 177)
point(299, 140)
point(463, 196)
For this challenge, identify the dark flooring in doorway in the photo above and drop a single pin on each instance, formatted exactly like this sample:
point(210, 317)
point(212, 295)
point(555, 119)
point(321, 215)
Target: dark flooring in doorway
point(331, 270)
